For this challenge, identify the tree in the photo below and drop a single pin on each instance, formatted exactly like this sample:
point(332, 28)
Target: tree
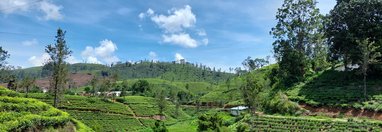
point(125, 87)
point(161, 102)
point(176, 101)
point(26, 83)
point(140, 87)
point(58, 52)
point(4, 71)
point(12, 83)
point(370, 54)
point(87, 89)
point(253, 64)
point(3, 56)
point(94, 83)
point(351, 21)
point(211, 122)
point(159, 126)
point(250, 90)
point(298, 23)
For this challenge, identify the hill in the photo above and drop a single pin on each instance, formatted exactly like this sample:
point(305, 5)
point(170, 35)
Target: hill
point(25, 114)
point(185, 72)
point(338, 89)
point(129, 113)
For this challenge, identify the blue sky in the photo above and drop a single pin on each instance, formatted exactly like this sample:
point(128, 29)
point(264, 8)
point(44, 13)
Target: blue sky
point(218, 33)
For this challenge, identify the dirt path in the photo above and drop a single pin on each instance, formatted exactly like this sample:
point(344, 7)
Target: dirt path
point(349, 112)
point(135, 115)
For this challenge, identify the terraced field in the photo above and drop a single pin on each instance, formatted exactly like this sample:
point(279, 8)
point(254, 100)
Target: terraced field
point(308, 124)
point(25, 114)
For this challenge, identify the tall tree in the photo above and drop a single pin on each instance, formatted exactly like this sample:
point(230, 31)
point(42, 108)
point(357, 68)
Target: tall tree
point(161, 102)
point(250, 91)
point(3, 69)
point(94, 83)
point(26, 83)
point(58, 52)
point(298, 23)
point(3, 56)
point(370, 54)
point(351, 21)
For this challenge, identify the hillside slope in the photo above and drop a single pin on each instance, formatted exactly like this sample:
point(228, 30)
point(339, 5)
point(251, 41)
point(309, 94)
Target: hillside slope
point(145, 69)
point(25, 114)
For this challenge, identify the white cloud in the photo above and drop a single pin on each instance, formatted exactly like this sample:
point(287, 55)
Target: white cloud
point(30, 42)
point(178, 57)
point(176, 21)
point(105, 51)
point(141, 15)
point(93, 60)
point(153, 56)
point(50, 10)
point(150, 12)
point(39, 61)
point(72, 60)
point(13, 6)
point(176, 26)
point(181, 39)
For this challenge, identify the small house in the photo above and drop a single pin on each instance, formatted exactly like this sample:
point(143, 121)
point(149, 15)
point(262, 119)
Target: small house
point(236, 110)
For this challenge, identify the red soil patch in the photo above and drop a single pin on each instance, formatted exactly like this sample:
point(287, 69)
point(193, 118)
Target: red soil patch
point(350, 112)
point(77, 80)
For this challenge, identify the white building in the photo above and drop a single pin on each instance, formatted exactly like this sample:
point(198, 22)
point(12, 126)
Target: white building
point(236, 110)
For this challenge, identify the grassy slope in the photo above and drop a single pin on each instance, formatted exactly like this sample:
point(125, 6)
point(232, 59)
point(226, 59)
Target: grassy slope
point(339, 89)
point(106, 115)
point(23, 114)
point(195, 88)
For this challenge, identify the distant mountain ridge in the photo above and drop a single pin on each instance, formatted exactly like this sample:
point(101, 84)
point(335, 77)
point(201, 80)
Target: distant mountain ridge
point(171, 71)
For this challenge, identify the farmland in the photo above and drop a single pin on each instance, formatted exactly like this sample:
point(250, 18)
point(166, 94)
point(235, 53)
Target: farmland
point(22, 114)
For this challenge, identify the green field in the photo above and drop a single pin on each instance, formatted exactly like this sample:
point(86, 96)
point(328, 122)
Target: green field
point(23, 114)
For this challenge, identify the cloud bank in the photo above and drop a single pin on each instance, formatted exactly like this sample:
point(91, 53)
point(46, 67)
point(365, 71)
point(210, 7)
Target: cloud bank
point(177, 26)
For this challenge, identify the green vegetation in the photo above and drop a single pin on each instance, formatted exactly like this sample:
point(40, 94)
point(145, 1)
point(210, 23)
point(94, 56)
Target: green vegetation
point(308, 124)
point(58, 52)
point(23, 114)
point(339, 89)
point(182, 96)
point(185, 72)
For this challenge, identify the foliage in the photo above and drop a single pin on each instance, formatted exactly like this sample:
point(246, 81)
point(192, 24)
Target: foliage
point(27, 83)
point(296, 31)
point(140, 87)
point(58, 52)
point(159, 127)
point(251, 64)
point(186, 72)
point(20, 114)
point(250, 90)
point(369, 55)
point(211, 122)
point(284, 123)
point(161, 101)
point(3, 56)
point(351, 21)
point(338, 89)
